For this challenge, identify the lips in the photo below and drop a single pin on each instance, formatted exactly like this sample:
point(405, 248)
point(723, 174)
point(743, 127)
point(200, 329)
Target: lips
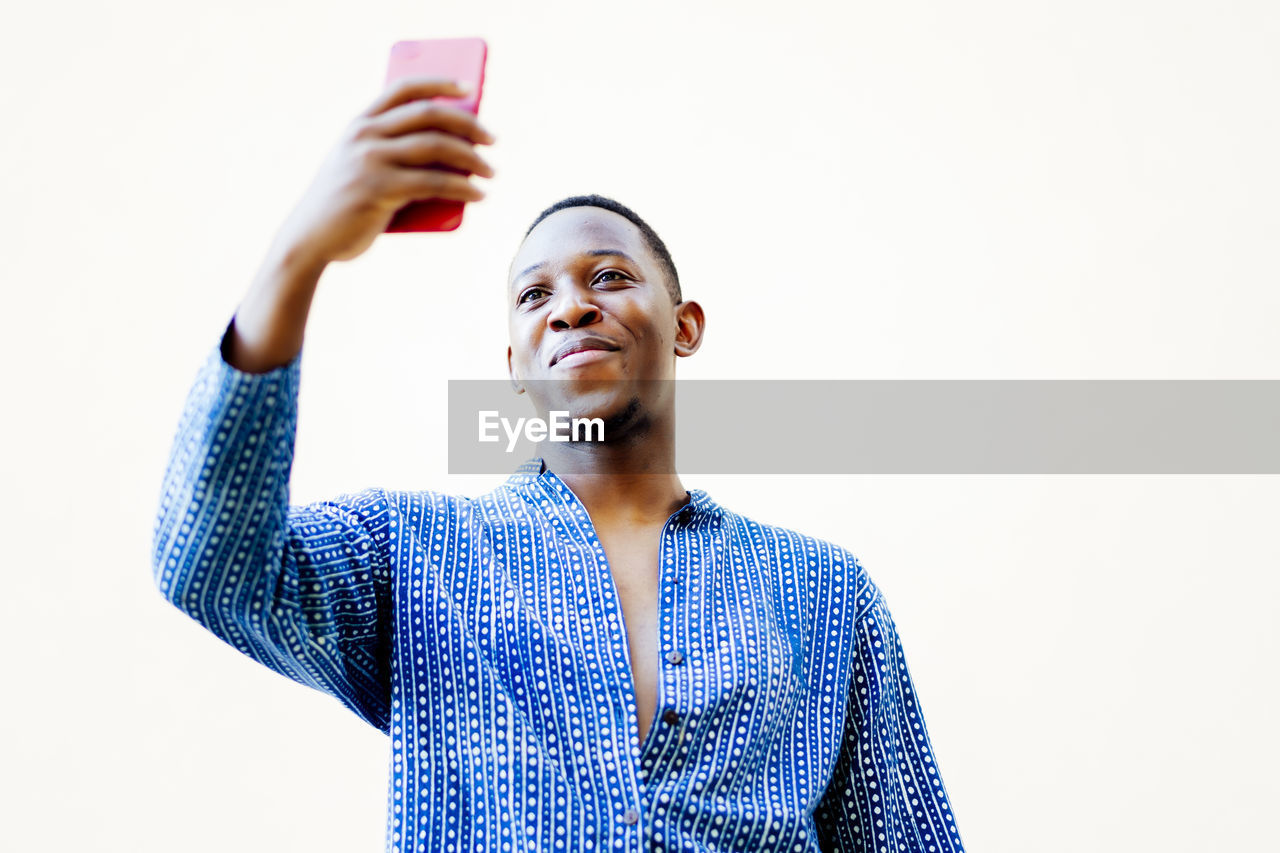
point(583, 344)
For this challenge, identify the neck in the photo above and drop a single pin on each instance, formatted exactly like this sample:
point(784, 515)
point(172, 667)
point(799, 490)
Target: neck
point(623, 482)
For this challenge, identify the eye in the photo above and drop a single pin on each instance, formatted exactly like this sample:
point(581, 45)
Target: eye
point(533, 292)
point(620, 276)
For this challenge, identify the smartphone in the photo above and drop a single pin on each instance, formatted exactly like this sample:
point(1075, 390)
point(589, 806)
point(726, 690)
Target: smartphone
point(460, 59)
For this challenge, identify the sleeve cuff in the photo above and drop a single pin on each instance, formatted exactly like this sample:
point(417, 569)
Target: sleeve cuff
point(231, 377)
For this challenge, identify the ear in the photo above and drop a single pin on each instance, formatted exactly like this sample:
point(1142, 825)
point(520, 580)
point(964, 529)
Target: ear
point(511, 371)
point(690, 325)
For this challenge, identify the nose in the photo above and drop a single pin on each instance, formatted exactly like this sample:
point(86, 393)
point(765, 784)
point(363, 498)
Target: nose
point(572, 308)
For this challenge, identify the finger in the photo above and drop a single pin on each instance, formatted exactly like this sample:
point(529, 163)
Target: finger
point(427, 115)
point(409, 88)
point(413, 184)
point(424, 149)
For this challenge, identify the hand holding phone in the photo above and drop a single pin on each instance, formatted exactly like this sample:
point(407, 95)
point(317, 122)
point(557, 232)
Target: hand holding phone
point(412, 145)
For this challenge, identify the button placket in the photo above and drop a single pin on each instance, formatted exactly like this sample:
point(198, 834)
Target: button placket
point(673, 569)
point(617, 639)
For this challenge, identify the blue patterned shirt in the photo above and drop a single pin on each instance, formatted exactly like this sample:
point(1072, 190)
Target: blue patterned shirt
point(485, 637)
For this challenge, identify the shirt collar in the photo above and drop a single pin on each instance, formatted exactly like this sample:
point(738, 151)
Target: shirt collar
point(533, 472)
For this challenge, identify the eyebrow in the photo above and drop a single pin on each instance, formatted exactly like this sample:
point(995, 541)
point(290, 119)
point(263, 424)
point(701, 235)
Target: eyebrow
point(594, 253)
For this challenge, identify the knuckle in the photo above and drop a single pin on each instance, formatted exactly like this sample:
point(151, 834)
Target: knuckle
point(436, 180)
point(366, 153)
point(457, 150)
point(426, 144)
point(458, 186)
point(358, 190)
point(380, 186)
point(364, 193)
point(451, 115)
point(447, 143)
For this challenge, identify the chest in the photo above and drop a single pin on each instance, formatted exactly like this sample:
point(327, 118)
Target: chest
point(561, 616)
point(632, 556)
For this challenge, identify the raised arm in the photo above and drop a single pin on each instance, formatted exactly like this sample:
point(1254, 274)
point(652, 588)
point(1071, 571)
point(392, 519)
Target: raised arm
point(886, 792)
point(304, 590)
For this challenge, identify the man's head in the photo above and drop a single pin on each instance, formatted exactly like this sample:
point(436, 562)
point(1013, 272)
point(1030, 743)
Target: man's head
point(594, 304)
point(651, 238)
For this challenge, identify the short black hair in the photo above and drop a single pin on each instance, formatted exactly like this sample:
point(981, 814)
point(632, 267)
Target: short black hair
point(651, 237)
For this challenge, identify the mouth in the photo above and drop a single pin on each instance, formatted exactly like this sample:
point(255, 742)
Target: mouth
point(573, 350)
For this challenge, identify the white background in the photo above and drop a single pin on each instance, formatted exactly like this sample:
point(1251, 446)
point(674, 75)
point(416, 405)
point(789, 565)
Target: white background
point(852, 190)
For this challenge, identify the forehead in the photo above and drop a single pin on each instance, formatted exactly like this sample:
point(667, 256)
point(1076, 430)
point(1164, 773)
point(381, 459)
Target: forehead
point(572, 234)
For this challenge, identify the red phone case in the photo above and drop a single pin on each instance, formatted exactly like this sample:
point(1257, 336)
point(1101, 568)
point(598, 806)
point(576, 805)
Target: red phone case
point(459, 59)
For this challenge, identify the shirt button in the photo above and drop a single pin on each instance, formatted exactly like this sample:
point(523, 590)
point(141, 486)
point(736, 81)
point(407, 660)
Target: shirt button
point(630, 816)
point(670, 717)
point(674, 657)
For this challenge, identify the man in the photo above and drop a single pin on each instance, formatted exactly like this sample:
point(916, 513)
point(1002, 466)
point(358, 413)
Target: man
point(589, 657)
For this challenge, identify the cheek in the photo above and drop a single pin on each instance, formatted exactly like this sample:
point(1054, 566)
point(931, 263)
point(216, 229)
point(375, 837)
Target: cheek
point(664, 333)
point(651, 324)
point(523, 348)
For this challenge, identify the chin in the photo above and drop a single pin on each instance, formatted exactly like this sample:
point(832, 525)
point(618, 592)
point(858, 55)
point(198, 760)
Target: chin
point(606, 397)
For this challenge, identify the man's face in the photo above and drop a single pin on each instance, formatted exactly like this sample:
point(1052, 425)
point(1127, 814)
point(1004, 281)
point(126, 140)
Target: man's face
point(588, 307)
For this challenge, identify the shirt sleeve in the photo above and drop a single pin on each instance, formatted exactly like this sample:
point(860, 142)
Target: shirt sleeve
point(886, 793)
point(304, 590)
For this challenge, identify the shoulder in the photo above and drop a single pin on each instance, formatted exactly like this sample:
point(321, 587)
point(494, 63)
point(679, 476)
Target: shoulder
point(366, 506)
point(416, 507)
point(825, 561)
point(500, 504)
